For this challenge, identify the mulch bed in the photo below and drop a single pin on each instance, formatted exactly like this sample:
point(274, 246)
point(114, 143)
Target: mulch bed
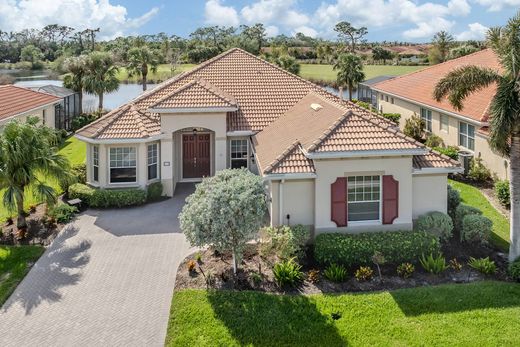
point(219, 266)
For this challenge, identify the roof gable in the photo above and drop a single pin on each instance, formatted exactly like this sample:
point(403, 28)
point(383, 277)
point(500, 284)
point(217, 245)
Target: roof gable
point(16, 100)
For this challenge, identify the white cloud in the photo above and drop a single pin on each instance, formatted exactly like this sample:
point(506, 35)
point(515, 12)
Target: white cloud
point(218, 14)
point(271, 30)
point(428, 29)
point(80, 14)
point(308, 31)
point(498, 5)
point(275, 13)
point(476, 31)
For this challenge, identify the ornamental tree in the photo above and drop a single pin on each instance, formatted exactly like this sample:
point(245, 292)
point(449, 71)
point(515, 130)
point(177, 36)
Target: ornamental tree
point(225, 211)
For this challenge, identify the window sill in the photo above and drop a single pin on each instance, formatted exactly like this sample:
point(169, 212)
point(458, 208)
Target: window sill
point(365, 222)
point(123, 185)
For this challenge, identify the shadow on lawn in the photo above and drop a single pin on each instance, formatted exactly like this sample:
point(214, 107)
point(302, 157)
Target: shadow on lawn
point(274, 320)
point(457, 298)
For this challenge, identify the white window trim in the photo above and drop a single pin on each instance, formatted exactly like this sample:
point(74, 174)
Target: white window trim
point(373, 221)
point(426, 120)
point(230, 152)
point(156, 162)
point(467, 136)
point(95, 150)
point(133, 183)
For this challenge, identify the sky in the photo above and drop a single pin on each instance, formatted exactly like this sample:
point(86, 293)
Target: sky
point(390, 20)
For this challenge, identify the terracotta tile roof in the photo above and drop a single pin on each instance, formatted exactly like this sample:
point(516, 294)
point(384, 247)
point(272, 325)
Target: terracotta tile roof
point(419, 85)
point(434, 159)
point(17, 100)
point(196, 94)
point(292, 160)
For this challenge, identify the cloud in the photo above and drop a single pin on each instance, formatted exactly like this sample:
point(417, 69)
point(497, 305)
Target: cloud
point(218, 14)
point(308, 31)
point(498, 5)
point(476, 31)
point(271, 30)
point(80, 14)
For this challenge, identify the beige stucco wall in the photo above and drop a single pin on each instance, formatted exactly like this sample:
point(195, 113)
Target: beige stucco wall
point(49, 116)
point(329, 170)
point(407, 109)
point(297, 201)
point(430, 193)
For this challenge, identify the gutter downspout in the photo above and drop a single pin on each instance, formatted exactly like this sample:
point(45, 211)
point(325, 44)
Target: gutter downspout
point(280, 203)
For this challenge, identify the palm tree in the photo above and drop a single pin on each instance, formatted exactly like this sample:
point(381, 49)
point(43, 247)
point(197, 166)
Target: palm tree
point(350, 71)
point(101, 75)
point(443, 42)
point(75, 78)
point(140, 59)
point(504, 110)
point(288, 63)
point(27, 153)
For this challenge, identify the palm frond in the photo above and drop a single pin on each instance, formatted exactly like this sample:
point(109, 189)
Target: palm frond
point(505, 116)
point(463, 81)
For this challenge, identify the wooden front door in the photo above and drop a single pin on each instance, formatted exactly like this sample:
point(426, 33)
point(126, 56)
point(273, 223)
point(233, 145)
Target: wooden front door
point(196, 152)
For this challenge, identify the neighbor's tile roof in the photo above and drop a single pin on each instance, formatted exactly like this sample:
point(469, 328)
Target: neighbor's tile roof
point(17, 100)
point(292, 160)
point(419, 85)
point(196, 94)
point(434, 159)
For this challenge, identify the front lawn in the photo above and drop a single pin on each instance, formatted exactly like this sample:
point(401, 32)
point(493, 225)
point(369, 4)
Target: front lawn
point(326, 73)
point(482, 313)
point(472, 196)
point(14, 265)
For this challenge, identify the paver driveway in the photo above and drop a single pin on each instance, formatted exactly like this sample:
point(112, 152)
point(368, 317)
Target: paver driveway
point(107, 280)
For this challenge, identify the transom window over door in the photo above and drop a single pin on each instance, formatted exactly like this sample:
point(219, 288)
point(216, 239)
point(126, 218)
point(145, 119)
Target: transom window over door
point(364, 198)
point(123, 165)
point(152, 161)
point(426, 116)
point(239, 154)
point(467, 135)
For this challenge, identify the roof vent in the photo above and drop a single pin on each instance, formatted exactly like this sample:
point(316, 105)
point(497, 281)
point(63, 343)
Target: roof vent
point(316, 107)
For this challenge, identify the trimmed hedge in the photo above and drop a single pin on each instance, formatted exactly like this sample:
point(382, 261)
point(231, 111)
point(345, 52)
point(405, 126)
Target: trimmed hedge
point(154, 191)
point(462, 211)
point(436, 223)
point(358, 249)
point(476, 229)
point(105, 198)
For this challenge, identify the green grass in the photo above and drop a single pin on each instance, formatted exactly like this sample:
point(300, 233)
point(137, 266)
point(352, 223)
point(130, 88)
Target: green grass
point(472, 196)
point(163, 73)
point(325, 72)
point(14, 266)
point(484, 314)
point(75, 150)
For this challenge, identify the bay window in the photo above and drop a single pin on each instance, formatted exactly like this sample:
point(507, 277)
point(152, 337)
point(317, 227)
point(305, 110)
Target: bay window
point(239, 153)
point(123, 165)
point(467, 135)
point(364, 198)
point(153, 161)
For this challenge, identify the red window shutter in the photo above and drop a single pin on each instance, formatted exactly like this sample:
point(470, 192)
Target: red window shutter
point(338, 201)
point(390, 199)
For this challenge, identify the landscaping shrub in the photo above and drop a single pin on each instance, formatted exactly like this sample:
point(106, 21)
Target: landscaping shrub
point(358, 249)
point(63, 213)
point(476, 229)
point(502, 192)
point(450, 151)
point(82, 120)
point(513, 270)
point(335, 273)
point(478, 171)
point(462, 211)
point(414, 127)
point(286, 241)
point(105, 198)
point(434, 141)
point(433, 264)
point(394, 117)
point(437, 223)
point(80, 172)
point(405, 270)
point(154, 191)
point(483, 265)
point(287, 273)
point(453, 201)
point(364, 273)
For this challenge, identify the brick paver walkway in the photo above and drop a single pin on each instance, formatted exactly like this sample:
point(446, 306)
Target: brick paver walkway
point(107, 280)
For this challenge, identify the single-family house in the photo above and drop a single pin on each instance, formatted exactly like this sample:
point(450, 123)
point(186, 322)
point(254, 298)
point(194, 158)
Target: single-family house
point(327, 163)
point(412, 94)
point(19, 103)
point(67, 109)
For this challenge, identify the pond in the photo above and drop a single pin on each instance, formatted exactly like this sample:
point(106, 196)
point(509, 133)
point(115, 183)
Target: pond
point(345, 92)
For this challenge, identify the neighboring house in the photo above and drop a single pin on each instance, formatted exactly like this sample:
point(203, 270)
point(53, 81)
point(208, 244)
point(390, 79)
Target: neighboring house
point(67, 109)
point(365, 92)
point(327, 163)
point(469, 128)
point(19, 103)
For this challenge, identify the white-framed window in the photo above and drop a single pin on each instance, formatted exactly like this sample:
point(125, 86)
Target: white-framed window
point(239, 153)
point(364, 198)
point(95, 163)
point(44, 117)
point(426, 116)
point(382, 97)
point(123, 165)
point(153, 161)
point(467, 135)
point(444, 123)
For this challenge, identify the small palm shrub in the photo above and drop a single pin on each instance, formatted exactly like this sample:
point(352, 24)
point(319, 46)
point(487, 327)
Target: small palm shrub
point(483, 265)
point(513, 270)
point(287, 273)
point(335, 273)
point(476, 229)
point(478, 171)
point(313, 276)
point(453, 201)
point(502, 192)
point(364, 273)
point(437, 223)
point(63, 213)
point(462, 211)
point(434, 141)
point(405, 270)
point(455, 265)
point(433, 264)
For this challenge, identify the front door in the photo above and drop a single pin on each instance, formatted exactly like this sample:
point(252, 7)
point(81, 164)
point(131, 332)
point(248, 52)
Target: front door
point(196, 151)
